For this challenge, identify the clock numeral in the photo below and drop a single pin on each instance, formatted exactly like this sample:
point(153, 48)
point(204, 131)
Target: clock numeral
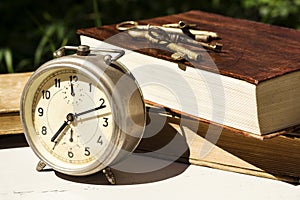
point(57, 82)
point(70, 154)
point(73, 78)
point(41, 112)
point(87, 151)
point(46, 94)
point(102, 103)
point(105, 124)
point(44, 130)
point(100, 141)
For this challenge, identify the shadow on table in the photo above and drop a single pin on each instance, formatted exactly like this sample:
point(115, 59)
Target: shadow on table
point(128, 178)
point(162, 154)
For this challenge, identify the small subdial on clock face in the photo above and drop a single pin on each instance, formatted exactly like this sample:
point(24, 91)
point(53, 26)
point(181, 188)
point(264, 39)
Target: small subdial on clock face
point(72, 117)
point(73, 93)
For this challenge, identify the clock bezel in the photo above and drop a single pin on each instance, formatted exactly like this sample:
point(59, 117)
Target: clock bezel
point(91, 67)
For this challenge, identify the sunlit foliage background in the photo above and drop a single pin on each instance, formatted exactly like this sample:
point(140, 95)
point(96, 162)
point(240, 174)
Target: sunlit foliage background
point(32, 29)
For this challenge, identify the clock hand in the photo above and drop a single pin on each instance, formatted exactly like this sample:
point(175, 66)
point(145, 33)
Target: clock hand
point(56, 142)
point(88, 111)
point(72, 90)
point(71, 136)
point(70, 118)
point(59, 131)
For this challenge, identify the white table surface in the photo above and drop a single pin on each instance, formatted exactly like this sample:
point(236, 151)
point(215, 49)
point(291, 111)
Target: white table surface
point(19, 180)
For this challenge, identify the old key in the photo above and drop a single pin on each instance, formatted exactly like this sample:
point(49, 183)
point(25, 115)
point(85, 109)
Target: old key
point(159, 37)
point(180, 28)
point(169, 35)
point(198, 35)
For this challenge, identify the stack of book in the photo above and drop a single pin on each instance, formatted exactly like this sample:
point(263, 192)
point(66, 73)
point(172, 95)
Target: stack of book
point(244, 100)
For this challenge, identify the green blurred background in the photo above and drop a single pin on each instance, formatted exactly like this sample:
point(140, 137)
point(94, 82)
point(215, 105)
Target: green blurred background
point(31, 30)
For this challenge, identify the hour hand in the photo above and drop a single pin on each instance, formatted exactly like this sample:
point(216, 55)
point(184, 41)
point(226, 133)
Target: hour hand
point(59, 131)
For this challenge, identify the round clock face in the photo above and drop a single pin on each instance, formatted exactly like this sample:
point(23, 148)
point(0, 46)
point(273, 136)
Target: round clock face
point(72, 119)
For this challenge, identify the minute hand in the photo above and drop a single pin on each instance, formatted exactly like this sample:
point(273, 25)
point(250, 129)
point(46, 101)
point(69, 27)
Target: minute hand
point(88, 111)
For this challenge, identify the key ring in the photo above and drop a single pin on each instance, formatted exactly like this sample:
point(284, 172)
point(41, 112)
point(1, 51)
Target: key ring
point(127, 25)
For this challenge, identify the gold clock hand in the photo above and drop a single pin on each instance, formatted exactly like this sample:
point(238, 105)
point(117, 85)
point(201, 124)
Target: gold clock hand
point(58, 140)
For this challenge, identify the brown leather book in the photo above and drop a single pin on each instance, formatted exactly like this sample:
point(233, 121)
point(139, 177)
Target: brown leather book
point(251, 86)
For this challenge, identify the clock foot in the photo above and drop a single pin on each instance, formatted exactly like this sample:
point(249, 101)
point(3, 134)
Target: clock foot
point(109, 175)
point(40, 166)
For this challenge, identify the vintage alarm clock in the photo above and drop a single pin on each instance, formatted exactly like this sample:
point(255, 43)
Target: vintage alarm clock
point(82, 113)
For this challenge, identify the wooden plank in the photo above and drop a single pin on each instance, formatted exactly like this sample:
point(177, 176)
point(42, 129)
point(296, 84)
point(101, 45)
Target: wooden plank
point(11, 87)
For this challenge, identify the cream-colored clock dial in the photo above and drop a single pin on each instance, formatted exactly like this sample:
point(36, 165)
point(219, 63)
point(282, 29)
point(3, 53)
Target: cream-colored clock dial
point(72, 118)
